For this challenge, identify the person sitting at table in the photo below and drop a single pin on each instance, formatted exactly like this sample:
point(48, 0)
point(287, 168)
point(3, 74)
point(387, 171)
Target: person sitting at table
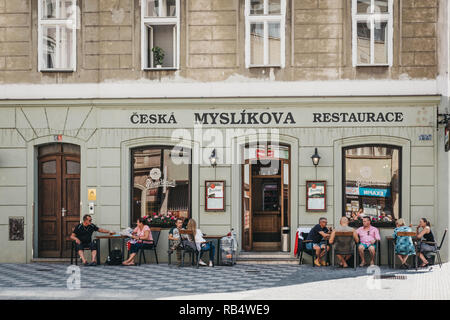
point(201, 243)
point(175, 238)
point(318, 235)
point(82, 235)
point(141, 235)
point(425, 235)
point(404, 246)
point(368, 236)
point(343, 246)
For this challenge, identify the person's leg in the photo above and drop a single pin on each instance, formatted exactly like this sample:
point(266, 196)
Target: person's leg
point(81, 254)
point(133, 251)
point(94, 256)
point(341, 260)
point(422, 257)
point(212, 252)
point(372, 255)
point(317, 249)
point(361, 254)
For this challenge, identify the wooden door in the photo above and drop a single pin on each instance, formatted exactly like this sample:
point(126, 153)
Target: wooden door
point(58, 198)
point(70, 212)
point(247, 233)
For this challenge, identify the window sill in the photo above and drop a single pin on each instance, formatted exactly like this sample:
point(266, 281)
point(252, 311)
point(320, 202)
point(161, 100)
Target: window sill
point(160, 69)
point(56, 70)
point(372, 65)
point(265, 66)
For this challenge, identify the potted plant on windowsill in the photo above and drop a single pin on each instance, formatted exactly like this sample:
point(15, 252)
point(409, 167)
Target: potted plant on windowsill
point(158, 56)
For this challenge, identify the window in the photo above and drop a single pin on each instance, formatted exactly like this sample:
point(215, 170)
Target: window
point(57, 35)
point(161, 182)
point(265, 33)
point(372, 183)
point(372, 32)
point(160, 34)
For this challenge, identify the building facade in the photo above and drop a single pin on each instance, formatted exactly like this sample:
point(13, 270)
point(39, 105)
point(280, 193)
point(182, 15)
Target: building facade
point(89, 105)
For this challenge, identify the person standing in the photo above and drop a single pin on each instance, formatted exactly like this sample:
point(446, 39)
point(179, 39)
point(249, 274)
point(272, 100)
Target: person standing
point(367, 236)
point(318, 236)
point(82, 235)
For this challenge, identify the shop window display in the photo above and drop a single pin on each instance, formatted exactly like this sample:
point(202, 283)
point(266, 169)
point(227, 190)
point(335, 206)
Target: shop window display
point(372, 184)
point(161, 185)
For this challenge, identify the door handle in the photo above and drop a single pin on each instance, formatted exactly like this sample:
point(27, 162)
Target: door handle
point(63, 212)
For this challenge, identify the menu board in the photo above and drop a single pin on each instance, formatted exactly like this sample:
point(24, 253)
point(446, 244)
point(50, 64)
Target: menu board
point(215, 196)
point(316, 196)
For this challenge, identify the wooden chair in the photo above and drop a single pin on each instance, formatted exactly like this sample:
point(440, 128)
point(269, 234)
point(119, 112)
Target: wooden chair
point(377, 253)
point(346, 238)
point(150, 246)
point(407, 234)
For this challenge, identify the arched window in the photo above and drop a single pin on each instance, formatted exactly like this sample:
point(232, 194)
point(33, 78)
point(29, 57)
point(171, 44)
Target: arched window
point(161, 182)
point(372, 183)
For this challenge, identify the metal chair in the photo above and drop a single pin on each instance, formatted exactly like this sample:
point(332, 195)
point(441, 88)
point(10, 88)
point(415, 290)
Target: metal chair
point(302, 248)
point(406, 234)
point(346, 238)
point(74, 252)
point(150, 246)
point(438, 248)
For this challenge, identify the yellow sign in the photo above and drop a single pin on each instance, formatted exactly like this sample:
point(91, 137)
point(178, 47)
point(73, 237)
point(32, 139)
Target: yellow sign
point(92, 194)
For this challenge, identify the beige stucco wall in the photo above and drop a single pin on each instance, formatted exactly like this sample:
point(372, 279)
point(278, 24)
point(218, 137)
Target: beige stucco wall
point(318, 42)
point(105, 164)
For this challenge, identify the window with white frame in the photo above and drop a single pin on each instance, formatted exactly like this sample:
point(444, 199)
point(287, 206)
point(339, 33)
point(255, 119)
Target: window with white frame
point(372, 32)
point(160, 34)
point(265, 33)
point(57, 35)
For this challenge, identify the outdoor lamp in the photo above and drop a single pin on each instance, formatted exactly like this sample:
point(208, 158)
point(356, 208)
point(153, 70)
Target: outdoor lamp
point(213, 158)
point(315, 158)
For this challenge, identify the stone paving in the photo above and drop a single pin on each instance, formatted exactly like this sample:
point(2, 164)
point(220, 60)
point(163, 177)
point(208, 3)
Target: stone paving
point(151, 281)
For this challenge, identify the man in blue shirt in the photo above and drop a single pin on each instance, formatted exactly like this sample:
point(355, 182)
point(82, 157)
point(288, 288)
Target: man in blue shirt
point(318, 235)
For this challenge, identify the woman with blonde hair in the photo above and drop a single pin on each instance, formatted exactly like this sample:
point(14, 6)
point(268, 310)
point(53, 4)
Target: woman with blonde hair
point(404, 246)
point(201, 243)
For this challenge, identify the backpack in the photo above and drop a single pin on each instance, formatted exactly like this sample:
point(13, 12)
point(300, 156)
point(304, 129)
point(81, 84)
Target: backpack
point(189, 245)
point(115, 258)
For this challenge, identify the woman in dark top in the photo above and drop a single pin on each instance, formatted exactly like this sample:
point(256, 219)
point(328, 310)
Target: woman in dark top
point(424, 233)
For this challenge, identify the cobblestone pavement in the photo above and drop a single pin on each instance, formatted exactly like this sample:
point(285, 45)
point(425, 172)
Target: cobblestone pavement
point(49, 281)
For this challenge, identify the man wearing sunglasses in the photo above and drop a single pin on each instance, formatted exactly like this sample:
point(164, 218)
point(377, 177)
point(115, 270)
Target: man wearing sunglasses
point(82, 235)
point(368, 236)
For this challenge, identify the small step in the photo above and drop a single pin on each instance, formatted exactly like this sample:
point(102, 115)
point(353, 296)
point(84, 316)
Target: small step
point(266, 258)
point(50, 260)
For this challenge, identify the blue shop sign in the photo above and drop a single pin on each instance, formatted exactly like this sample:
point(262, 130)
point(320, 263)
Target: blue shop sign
point(382, 193)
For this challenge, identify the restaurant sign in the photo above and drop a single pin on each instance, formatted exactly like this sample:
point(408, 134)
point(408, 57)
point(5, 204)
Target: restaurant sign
point(371, 192)
point(267, 117)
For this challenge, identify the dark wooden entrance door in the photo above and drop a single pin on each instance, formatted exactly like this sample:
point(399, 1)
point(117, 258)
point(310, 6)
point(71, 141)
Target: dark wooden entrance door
point(265, 198)
point(59, 198)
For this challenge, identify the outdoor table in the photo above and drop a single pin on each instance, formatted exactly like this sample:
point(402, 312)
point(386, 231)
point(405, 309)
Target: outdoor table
point(110, 237)
point(391, 249)
point(218, 245)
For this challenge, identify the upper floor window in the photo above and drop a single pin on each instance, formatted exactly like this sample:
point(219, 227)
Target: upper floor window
point(372, 32)
point(57, 35)
point(160, 34)
point(265, 33)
